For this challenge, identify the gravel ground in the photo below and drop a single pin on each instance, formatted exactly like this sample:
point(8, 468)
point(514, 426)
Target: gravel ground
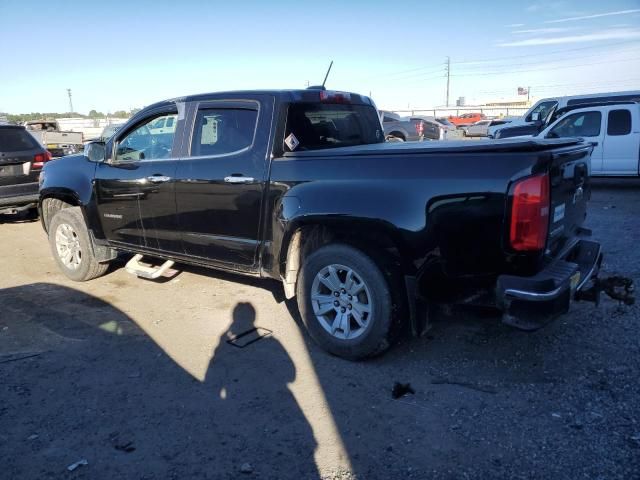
point(138, 379)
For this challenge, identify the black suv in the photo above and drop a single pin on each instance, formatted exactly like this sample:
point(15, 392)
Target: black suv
point(21, 160)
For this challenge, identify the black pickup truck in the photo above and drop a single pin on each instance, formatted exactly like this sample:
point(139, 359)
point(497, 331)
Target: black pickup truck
point(299, 185)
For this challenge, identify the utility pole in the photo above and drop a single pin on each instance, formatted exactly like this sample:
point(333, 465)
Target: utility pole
point(70, 102)
point(448, 70)
point(528, 94)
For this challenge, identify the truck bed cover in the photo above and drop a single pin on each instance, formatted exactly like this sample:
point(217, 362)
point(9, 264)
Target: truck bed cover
point(461, 146)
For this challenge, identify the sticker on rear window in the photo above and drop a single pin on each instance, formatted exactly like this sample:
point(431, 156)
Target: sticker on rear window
point(292, 142)
point(558, 213)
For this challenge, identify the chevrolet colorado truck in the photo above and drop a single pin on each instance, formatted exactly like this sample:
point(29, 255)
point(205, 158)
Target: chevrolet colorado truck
point(299, 186)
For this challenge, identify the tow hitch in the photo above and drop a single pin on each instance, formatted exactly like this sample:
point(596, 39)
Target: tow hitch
point(615, 287)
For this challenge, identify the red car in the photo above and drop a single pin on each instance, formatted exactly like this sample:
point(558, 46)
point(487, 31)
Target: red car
point(466, 119)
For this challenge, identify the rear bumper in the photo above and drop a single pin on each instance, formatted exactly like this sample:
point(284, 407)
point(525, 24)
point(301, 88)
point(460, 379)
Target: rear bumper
point(529, 303)
point(18, 201)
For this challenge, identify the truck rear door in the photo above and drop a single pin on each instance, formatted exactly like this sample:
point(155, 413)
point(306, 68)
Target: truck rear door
point(222, 177)
point(622, 141)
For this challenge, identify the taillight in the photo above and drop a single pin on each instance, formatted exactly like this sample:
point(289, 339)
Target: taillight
point(419, 128)
point(334, 97)
point(39, 159)
point(530, 213)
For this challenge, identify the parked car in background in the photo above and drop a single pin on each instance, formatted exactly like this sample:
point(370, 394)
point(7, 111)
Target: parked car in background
point(397, 128)
point(109, 130)
point(433, 129)
point(446, 123)
point(497, 124)
point(299, 186)
point(21, 161)
point(59, 143)
point(614, 132)
point(545, 111)
point(533, 129)
point(478, 129)
point(466, 119)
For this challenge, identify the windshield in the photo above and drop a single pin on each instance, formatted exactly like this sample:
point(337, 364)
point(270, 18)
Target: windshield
point(542, 110)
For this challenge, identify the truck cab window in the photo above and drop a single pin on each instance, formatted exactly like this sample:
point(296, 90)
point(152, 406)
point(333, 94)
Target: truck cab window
point(583, 124)
point(223, 131)
point(146, 142)
point(619, 122)
point(317, 126)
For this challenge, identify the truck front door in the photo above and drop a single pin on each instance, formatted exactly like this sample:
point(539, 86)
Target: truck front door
point(135, 187)
point(221, 180)
point(587, 125)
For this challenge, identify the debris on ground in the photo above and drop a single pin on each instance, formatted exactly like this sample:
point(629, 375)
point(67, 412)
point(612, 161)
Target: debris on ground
point(246, 468)
point(473, 386)
point(77, 464)
point(14, 358)
point(401, 389)
point(32, 437)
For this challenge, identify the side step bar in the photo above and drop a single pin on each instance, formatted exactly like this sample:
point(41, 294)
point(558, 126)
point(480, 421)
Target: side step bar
point(145, 270)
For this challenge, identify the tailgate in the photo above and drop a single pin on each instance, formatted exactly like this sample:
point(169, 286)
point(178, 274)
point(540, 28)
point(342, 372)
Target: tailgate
point(570, 191)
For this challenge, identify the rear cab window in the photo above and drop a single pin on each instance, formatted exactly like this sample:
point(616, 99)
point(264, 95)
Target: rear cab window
point(316, 126)
point(619, 122)
point(16, 140)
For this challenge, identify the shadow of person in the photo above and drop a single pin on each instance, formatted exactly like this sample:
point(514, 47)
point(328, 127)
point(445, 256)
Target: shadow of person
point(263, 423)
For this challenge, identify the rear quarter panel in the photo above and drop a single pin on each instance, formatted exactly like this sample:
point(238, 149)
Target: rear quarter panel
point(448, 209)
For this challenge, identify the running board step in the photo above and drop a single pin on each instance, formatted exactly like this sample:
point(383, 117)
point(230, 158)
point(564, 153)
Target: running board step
point(146, 270)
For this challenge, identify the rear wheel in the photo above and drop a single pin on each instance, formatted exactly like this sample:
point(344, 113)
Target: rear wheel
point(71, 246)
point(345, 302)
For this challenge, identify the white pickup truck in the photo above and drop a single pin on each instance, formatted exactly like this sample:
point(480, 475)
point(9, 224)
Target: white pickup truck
point(614, 131)
point(59, 143)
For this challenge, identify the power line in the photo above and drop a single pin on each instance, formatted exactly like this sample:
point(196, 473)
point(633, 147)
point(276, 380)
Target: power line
point(543, 69)
point(557, 52)
point(537, 62)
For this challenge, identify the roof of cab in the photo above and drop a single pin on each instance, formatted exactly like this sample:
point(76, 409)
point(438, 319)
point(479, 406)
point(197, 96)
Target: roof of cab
point(288, 95)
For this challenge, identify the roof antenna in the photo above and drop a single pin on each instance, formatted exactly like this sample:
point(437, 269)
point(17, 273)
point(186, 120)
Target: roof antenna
point(327, 75)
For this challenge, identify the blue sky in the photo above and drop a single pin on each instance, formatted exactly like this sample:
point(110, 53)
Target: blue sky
point(121, 54)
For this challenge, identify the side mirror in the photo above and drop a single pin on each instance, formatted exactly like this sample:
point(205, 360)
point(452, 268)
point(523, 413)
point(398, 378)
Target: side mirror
point(95, 151)
point(552, 135)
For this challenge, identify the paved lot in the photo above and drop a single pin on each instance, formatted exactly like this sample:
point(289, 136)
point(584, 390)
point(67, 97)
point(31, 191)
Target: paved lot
point(137, 378)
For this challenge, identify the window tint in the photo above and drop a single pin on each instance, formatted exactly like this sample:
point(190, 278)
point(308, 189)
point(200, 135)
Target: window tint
point(318, 125)
point(584, 124)
point(388, 119)
point(146, 142)
point(16, 140)
point(619, 122)
point(224, 130)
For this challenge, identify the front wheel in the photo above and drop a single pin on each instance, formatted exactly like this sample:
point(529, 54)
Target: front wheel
point(71, 246)
point(345, 302)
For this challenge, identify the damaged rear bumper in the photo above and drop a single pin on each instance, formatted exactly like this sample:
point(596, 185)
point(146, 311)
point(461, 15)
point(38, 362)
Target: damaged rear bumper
point(529, 303)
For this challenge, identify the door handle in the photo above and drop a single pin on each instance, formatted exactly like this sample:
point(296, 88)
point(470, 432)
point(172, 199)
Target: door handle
point(158, 178)
point(238, 179)
point(595, 144)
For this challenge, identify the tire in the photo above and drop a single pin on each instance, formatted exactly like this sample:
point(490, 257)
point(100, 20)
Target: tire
point(68, 225)
point(361, 341)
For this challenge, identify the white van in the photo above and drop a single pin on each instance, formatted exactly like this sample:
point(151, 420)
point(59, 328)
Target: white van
point(614, 131)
